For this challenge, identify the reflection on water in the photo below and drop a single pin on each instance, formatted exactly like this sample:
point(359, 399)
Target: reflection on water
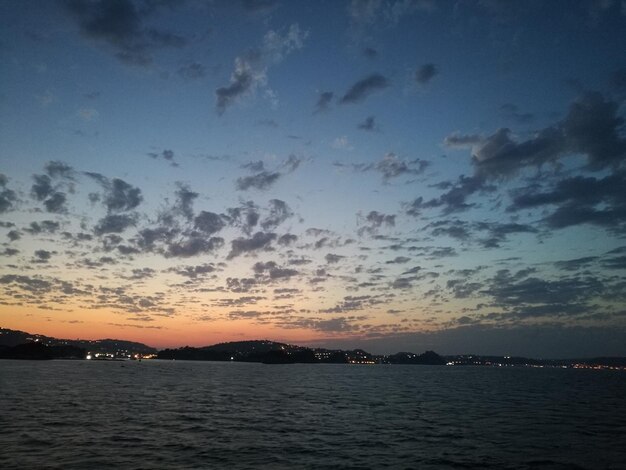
point(153, 414)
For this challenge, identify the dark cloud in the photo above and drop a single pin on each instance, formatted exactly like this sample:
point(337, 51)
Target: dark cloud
point(185, 198)
point(193, 246)
point(510, 290)
point(45, 226)
point(579, 200)
point(14, 235)
point(9, 252)
point(42, 187)
point(241, 81)
point(425, 73)
point(167, 155)
point(369, 124)
point(287, 239)
point(323, 102)
point(7, 196)
point(251, 68)
point(273, 270)
point(458, 140)
point(42, 256)
point(455, 199)
point(576, 264)
point(193, 272)
point(592, 127)
point(259, 241)
point(255, 166)
point(292, 163)
point(279, 212)
point(56, 203)
point(56, 169)
point(617, 262)
point(373, 221)
point(114, 223)
point(246, 217)
point(365, 87)
point(390, 166)
point(332, 258)
point(209, 222)
point(121, 196)
point(262, 181)
point(498, 232)
point(119, 24)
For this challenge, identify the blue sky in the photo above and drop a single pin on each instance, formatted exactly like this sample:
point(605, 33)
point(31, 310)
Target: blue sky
point(391, 175)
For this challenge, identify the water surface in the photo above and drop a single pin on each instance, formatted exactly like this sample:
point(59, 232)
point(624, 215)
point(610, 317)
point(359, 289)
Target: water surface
point(157, 414)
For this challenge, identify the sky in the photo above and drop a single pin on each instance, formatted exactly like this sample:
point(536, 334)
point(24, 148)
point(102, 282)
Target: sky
point(389, 175)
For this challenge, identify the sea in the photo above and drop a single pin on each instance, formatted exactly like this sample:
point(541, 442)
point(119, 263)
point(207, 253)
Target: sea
point(212, 415)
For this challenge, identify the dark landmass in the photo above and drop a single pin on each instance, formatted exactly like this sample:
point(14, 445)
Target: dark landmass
point(116, 347)
point(39, 351)
point(21, 345)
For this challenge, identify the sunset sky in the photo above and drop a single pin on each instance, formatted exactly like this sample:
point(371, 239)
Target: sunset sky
point(391, 175)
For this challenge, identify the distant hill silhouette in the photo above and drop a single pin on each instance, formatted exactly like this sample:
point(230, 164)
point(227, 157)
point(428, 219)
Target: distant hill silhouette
point(39, 351)
point(9, 338)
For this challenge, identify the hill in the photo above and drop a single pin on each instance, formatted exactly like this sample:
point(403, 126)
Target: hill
point(11, 338)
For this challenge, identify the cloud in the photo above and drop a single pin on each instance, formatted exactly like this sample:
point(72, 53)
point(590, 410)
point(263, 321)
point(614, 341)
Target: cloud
point(332, 258)
point(369, 124)
point(193, 246)
point(7, 196)
point(246, 217)
point(194, 272)
point(425, 73)
point(209, 222)
point(262, 180)
point(287, 239)
point(323, 102)
point(42, 256)
point(273, 270)
point(552, 296)
point(364, 87)
point(455, 199)
point(373, 221)
point(120, 25)
point(279, 212)
point(185, 198)
point(241, 80)
point(579, 200)
point(43, 190)
point(591, 128)
point(259, 241)
point(45, 226)
point(114, 223)
point(390, 166)
point(250, 70)
point(119, 195)
point(57, 169)
point(167, 155)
